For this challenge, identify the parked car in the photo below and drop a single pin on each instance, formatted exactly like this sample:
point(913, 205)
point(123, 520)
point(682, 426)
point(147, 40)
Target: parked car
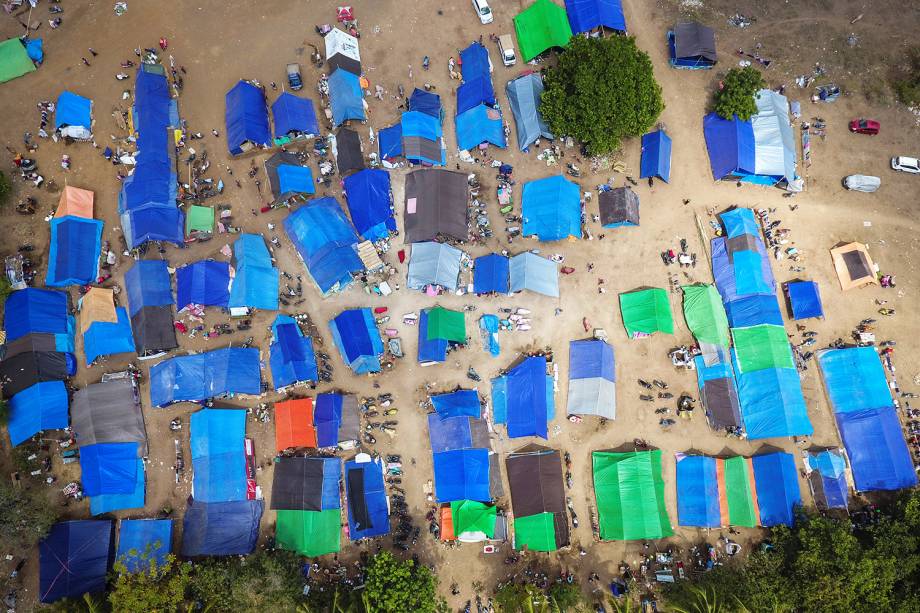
point(295, 82)
point(506, 49)
point(483, 11)
point(865, 126)
point(862, 183)
point(906, 164)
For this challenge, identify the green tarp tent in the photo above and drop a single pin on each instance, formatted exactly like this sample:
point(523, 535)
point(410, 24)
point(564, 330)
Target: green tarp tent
point(739, 492)
point(646, 311)
point(444, 324)
point(705, 314)
point(541, 26)
point(761, 347)
point(630, 495)
point(14, 61)
point(199, 219)
point(472, 516)
point(309, 533)
point(536, 532)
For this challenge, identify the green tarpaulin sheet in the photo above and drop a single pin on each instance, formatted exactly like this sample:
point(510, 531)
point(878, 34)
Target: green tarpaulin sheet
point(472, 516)
point(630, 495)
point(14, 61)
point(444, 324)
point(541, 26)
point(646, 311)
point(739, 488)
point(309, 533)
point(537, 532)
point(761, 347)
point(199, 218)
point(705, 314)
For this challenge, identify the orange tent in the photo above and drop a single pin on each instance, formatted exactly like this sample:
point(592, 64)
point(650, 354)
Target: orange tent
point(447, 524)
point(294, 424)
point(76, 202)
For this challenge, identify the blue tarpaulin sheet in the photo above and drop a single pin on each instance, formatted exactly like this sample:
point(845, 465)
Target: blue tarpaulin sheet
point(421, 134)
point(731, 273)
point(753, 311)
point(551, 209)
point(417, 123)
point(748, 274)
point(739, 221)
point(42, 406)
point(390, 142)
point(591, 358)
point(34, 50)
point(429, 349)
point(461, 474)
point(772, 404)
point(425, 102)
point(730, 144)
point(855, 379)
point(75, 246)
point(527, 407)
point(148, 284)
point(142, 542)
point(205, 282)
point(473, 93)
point(246, 117)
point(878, 453)
point(805, 299)
point(474, 62)
point(460, 402)
point(480, 124)
point(220, 478)
point(356, 335)
point(490, 274)
point(255, 284)
point(294, 114)
point(218, 455)
point(831, 465)
point(295, 179)
point(368, 513)
point(449, 433)
point(292, 358)
point(109, 468)
point(73, 110)
point(234, 370)
point(488, 326)
point(325, 241)
point(777, 485)
point(327, 417)
point(36, 310)
point(108, 338)
point(332, 476)
point(153, 223)
point(370, 203)
point(698, 492)
point(656, 156)
point(524, 95)
point(74, 559)
point(585, 15)
point(106, 503)
point(531, 272)
point(345, 97)
point(221, 528)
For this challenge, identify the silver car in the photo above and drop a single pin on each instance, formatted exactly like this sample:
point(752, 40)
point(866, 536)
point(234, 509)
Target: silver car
point(862, 183)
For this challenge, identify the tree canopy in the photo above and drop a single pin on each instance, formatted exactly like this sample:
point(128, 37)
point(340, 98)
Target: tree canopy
point(152, 588)
point(25, 516)
point(737, 92)
point(601, 91)
point(393, 586)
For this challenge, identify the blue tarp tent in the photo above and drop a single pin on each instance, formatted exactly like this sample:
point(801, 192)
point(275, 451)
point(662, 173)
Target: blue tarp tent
point(108, 338)
point(488, 330)
point(551, 209)
point(390, 142)
point(753, 310)
point(777, 483)
point(656, 156)
point(805, 299)
point(525, 386)
point(524, 98)
point(293, 114)
point(461, 474)
point(490, 274)
point(531, 272)
point(743, 272)
point(475, 92)
point(855, 379)
point(739, 221)
point(772, 404)
point(234, 370)
point(718, 391)
point(830, 489)
point(75, 246)
point(368, 512)
point(34, 50)
point(73, 110)
point(876, 448)
point(480, 124)
point(586, 15)
point(36, 310)
point(328, 417)
point(221, 528)
point(109, 468)
point(425, 102)
point(592, 379)
point(144, 542)
point(326, 242)
point(430, 350)
point(218, 455)
point(147, 282)
point(370, 203)
point(474, 62)
point(358, 340)
point(422, 141)
point(42, 406)
point(345, 97)
point(74, 559)
point(246, 117)
point(205, 282)
point(730, 143)
point(295, 179)
point(460, 402)
point(106, 503)
point(697, 492)
point(448, 433)
point(292, 358)
point(255, 284)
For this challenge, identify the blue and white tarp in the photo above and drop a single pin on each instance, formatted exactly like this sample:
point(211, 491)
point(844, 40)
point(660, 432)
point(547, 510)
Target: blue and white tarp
point(221, 528)
point(488, 329)
point(345, 97)
point(294, 115)
point(292, 358)
point(357, 338)
point(74, 559)
point(74, 111)
point(592, 379)
point(219, 455)
point(246, 117)
point(656, 156)
point(144, 543)
point(460, 402)
point(75, 246)
point(370, 203)
point(551, 209)
point(255, 283)
point(42, 406)
point(586, 15)
point(434, 264)
point(828, 479)
point(777, 483)
point(531, 272)
point(190, 378)
point(368, 510)
point(205, 282)
point(490, 274)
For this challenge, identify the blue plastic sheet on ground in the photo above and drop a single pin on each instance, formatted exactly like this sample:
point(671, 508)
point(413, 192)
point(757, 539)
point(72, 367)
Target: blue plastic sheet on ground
point(368, 513)
point(327, 417)
point(74, 559)
point(234, 370)
point(449, 433)
point(358, 340)
point(425, 102)
point(488, 325)
point(478, 125)
point(205, 282)
point(35, 310)
point(246, 117)
point(772, 404)
point(429, 349)
point(144, 542)
point(805, 299)
point(473, 93)
point(474, 62)
point(326, 242)
point(292, 357)
point(295, 179)
point(526, 398)
point(108, 338)
point(551, 209)
point(591, 358)
point(294, 114)
point(255, 284)
point(876, 448)
point(345, 97)
point(855, 379)
point(221, 528)
point(370, 203)
point(148, 284)
point(461, 474)
point(697, 492)
point(75, 246)
point(753, 311)
point(42, 406)
point(490, 274)
point(109, 468)
point(656, 156)
point(107, 503)
point(777, 483)
point(460, 402)
point(730, 143)
point(586, 15)
point(73, 110)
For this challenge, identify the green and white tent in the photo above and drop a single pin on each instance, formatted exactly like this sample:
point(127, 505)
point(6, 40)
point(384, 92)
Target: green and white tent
point(629, 490)
point(472, 520)
point(541, 26)
point(646, 311)
point(309, 533)
point(705, 314)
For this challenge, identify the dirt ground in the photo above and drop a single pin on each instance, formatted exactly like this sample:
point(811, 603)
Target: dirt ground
point(219, 43)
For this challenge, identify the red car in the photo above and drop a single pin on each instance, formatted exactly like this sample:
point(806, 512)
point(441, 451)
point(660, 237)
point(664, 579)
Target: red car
point(865, 126)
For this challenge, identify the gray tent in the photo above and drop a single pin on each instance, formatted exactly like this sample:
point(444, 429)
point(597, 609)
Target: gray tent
point(108, 413)
point(619, 207)
point(348, 154)
point(524, 96)
point(434, 264)
point(592, 379)
point(694, 45)
point(153, 329)
point(531, 272)
point(437, 203)
point(350, 426)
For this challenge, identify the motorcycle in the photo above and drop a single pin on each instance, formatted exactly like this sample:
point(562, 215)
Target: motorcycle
point(472, 374)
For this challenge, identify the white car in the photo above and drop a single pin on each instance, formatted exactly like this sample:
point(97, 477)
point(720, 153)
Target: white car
point(862, 183)
point(482, 9)
point(906, 164)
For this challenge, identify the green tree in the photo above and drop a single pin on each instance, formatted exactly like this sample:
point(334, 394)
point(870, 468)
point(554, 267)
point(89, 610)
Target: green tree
point(6, 189)
point(153, 588)
point(907, 81)
point(737, 92)
point(25, 516)
point(601, 91)
point(6, 288)
point(565, 596)
point(264, 581)
point(4, 412)
point(393, 586)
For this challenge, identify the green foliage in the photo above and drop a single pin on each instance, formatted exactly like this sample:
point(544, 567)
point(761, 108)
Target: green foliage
point(4, 412)
point(6, 189)
point(736, 96)
point(393, 586)
point(154, 588)
point(601, 91)
point(6, 288)
point(565, 596)
point(559, 598)
point(907, 82)
point(25, 516)
point(261, 582)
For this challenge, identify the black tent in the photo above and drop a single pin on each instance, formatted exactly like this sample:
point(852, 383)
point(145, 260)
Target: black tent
point(437, 203)
point(298, 484)
point(619, 207)
point(535, 477)
point(25, 369)
point(340, 60)
point(153, 329)
point(348, 154)
point(693, 45)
